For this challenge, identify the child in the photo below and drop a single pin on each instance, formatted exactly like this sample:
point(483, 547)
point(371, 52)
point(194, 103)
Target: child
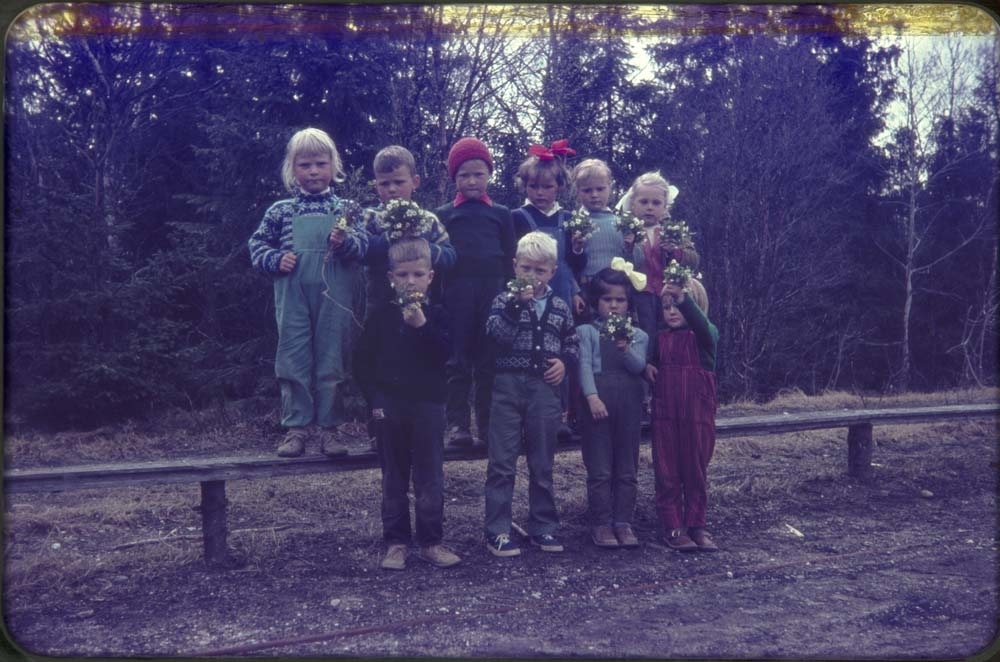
point(533, 329)
point(592, 182)
point(482, 233)
point(396, 178)
point(682, 368)
point(611, 379)
point(311, 244)
point(543, 177)
point(650, 198)
point(399, 364)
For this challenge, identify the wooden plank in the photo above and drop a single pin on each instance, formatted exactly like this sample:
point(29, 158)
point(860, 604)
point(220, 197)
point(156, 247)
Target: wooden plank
point(57, 479)
point(782, 423)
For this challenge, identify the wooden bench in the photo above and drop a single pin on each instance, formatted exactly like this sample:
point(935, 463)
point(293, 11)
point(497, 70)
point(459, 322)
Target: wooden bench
point(213, 472)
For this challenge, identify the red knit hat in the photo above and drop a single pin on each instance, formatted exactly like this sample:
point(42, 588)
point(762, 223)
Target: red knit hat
point(467, 149)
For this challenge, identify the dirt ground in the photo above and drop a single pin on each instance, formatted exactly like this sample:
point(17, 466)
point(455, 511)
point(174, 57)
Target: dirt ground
point(813, 564)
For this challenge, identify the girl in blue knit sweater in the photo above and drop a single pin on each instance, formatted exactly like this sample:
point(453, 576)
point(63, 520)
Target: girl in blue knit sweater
point(592, 183)
point(612, 362)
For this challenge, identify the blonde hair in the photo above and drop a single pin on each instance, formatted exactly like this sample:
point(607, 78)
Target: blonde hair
point(539, 247)
point(533, 167)
point(652, 179)
point(589, 168)
point(695, 290)
point(310, 142)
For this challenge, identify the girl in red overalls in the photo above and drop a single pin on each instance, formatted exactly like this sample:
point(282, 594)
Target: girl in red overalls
point(682, 364)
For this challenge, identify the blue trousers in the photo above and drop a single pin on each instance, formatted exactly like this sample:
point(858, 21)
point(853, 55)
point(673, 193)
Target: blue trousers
point(522, 402)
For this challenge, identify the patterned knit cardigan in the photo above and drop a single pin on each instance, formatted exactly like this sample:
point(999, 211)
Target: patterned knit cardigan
point(525, 341)
point(274, 235)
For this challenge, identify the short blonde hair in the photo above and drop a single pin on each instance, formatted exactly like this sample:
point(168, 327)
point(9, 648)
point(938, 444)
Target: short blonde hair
point(310, 142)
point(589, 168)
point(652, 179)
point(538, 246)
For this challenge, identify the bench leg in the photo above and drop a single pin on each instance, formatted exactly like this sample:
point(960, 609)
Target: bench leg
point(859, 450)
point(213, 522)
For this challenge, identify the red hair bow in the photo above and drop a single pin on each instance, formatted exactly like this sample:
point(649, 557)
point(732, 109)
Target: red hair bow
point(558, 148)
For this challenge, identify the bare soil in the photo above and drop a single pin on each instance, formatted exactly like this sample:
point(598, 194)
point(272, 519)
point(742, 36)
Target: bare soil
point(813, 564)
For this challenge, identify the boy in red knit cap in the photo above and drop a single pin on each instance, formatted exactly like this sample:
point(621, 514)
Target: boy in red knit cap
point(482, 233)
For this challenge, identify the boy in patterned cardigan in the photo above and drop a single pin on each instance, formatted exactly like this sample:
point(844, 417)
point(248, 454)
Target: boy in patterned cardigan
point(537, 343)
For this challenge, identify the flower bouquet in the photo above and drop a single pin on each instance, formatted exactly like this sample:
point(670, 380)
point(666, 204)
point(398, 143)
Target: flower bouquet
point(676, 233)
point(618, 327)
point(580, 224)
point(410, 298)
point(517, 285)
point(629, 223)
point(404, 218)
point(677, 274)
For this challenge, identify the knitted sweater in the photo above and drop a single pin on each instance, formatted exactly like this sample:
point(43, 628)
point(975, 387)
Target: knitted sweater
point(590, 355)
point(526, 341)
point(607, 243)
point(274, 235)
point(483, 237)
point(443, 254)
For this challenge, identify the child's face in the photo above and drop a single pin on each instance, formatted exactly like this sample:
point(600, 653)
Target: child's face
point(542, 191)
point(398, 184)
point(313, 172)
point(649, 203)
point(471, 178)
point(411, 275)
point(539, 271)
point(671, 315)
point(614, 300)
point(594, 192)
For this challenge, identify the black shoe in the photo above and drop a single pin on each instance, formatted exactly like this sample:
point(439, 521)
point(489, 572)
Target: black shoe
point(460, 437)
point(502, 545)
point(547, 542)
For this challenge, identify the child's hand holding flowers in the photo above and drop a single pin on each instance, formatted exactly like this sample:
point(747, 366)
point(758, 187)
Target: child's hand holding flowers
point(675, 236)
point(677, 274)
point(632, 227)
point(618, 328)
point(674, 233)
point(521, 288)
point(338, 233)
point(580, 225)
point(412, 304)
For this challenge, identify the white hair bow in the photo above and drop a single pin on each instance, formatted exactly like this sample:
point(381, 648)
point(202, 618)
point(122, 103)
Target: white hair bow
point(638, 279)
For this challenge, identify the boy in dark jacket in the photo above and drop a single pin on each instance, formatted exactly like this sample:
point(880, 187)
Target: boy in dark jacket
point(399, 366)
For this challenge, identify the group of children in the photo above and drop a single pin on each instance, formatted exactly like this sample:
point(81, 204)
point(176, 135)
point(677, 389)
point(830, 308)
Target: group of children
point(522, 316)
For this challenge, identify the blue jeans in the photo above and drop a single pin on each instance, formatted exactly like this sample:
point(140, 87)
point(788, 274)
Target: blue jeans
point(522, 402)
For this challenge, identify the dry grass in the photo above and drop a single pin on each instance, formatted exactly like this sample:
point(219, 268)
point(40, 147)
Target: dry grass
point(796, 400)
point(133, 531)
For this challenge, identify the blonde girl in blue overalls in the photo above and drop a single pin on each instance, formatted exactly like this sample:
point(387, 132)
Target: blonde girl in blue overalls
point(311, 245)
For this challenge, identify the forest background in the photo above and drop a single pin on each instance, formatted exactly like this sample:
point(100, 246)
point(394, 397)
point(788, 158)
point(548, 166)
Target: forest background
point(840, 176)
